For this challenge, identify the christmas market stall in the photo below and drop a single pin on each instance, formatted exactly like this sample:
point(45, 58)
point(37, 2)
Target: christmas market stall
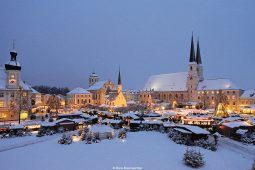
point(102, 131)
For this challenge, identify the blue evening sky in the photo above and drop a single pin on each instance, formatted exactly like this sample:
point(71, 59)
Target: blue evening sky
point(61, 42)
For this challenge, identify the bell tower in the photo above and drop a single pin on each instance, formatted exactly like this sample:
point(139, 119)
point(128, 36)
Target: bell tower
point(13, 69)
point(193, 77)
point(93, 78)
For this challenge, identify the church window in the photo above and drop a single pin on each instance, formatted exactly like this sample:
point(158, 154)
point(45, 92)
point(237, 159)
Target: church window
point(190, 78)
point(191, 68)
point(234, 92)
point(198, 97)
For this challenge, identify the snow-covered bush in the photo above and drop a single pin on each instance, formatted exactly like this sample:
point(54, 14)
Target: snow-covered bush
point(206, 144)
point(50, 119)
point(248, 138)
point(177, 138)
point(65, 139)
point(122, 134)
point(20, 133)
point(193, 158)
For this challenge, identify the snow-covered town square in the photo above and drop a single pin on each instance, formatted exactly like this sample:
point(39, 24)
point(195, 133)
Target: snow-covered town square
point(127, 85)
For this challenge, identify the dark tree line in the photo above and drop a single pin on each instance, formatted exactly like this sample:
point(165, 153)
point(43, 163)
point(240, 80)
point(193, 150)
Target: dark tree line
point(51, 90)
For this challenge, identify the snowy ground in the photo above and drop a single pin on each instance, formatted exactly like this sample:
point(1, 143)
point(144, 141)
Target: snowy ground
point(141, 150)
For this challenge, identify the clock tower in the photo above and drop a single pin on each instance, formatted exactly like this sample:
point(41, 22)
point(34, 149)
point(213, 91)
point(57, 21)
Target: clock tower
point(13, 69)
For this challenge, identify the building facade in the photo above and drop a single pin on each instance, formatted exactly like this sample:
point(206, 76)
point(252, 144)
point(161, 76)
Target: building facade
point(79, 97)
point(190, 88)
point(15, 95)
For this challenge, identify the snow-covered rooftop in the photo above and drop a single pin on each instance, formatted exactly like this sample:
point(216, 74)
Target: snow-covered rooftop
point(97, 85)
point(217, 84)
point(101, 129)
point(13, 63)
point(79, 90)
point(130, 114)
point(195, 129)
point(111, 121)
point(236, 124)
point(248, 94)
point(167, 82)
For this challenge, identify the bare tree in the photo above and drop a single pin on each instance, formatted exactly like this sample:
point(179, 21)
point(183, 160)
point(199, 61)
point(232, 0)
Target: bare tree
point(205, 100)
point(19, 102)
point(53, 103)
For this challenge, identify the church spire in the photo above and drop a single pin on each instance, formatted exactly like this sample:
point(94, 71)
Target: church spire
point(198, 56)
point(119, 78)
point(192, 51)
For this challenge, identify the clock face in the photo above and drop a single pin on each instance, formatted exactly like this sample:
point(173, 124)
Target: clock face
point(12, 81)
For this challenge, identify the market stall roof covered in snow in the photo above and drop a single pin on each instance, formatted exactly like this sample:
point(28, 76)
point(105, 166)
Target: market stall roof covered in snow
point(130, 114)
point(79, 90)
point(217, 84)
point(182, 130)
point(194, 129)
point(236, 124)
point(168, 124)
point(97, 85)
point(167, 82)
point(248, 94)
point(113, 121)
point(101, 129)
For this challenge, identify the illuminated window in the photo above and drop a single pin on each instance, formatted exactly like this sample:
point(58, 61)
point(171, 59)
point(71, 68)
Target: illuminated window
point(1, 104)
point(24, 94)
point(12, 76)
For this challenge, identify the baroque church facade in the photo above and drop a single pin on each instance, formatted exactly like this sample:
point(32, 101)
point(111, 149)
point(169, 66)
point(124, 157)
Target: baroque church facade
point(99, 93)
point(190, 89)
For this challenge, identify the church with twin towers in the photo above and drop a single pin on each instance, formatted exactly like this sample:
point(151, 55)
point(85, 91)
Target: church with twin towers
point(190, 88)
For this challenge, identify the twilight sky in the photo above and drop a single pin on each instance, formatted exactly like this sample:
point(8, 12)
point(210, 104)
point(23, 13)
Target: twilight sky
point(61, 42)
